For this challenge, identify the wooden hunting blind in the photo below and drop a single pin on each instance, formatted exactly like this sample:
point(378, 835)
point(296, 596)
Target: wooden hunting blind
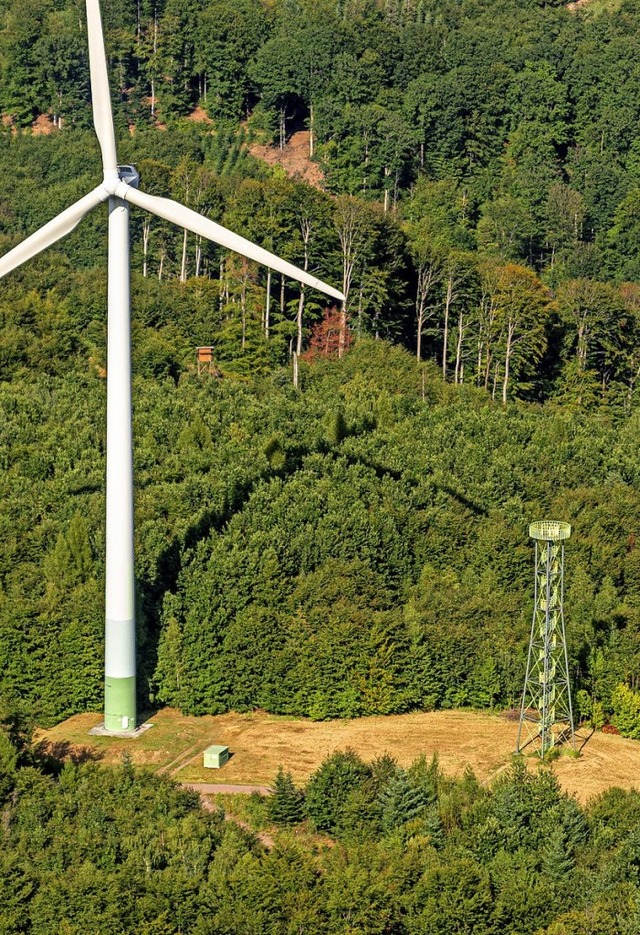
point(205, 359)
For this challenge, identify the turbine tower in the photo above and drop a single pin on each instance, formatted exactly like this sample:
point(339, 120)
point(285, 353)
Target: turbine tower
point(546, 716)
point(119, 187)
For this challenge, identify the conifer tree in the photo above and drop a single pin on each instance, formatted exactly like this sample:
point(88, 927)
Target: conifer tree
point(8, 764)
point(433, 826)
point(401, 801)
point(557, 859)
point(285, 805)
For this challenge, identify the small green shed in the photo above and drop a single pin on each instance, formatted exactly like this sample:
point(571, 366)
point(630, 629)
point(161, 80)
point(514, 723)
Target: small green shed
point(215, 756)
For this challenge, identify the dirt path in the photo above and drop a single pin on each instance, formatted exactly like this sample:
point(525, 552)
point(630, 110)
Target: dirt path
point(181, 760)
point(219, 788)
point(208, 788)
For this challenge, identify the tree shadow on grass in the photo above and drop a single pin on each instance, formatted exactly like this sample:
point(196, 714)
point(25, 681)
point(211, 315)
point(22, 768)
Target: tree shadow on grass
point(51, 755)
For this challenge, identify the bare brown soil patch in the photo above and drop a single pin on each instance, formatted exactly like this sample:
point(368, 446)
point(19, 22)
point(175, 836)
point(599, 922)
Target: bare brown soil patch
point(595, 7)
point(199, 115)
point(260, 742)
point(294, 158)
point(43, 125)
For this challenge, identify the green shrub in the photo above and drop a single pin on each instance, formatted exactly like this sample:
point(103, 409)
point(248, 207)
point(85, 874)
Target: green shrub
point(626, 711)
point(330, 785)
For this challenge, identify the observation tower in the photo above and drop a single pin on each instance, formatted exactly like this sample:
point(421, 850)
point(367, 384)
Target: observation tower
point(546, 716)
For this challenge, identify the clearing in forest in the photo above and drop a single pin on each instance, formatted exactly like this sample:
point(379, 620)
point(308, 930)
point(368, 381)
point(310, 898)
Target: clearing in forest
point(294, 158)
point(260, 742)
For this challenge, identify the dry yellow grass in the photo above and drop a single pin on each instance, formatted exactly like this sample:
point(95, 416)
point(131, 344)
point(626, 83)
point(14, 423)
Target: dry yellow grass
point(260, 743)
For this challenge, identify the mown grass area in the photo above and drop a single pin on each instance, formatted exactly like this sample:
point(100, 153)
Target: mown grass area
point(260, 743)
point(172, 737)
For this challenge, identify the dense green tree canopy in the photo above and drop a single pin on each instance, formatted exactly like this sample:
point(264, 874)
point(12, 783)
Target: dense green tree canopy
point(90, 848)
point(367, 528)
point(340, 532)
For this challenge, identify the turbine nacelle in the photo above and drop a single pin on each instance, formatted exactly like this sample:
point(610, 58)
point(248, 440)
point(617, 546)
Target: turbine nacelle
point(130, 175)
point(112, 181)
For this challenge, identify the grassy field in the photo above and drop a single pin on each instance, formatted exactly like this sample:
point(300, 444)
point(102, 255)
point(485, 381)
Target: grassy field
point(260, 742)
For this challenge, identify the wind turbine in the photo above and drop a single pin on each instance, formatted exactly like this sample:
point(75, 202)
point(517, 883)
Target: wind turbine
point(119, 189)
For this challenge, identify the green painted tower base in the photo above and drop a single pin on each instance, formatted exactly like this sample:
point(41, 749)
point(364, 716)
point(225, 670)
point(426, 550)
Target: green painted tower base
point(120, 704)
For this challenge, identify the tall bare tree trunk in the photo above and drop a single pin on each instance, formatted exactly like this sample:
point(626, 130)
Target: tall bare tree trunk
point(299, 320)
point(459, 348)
point(479, 362)
point(445, 334)
point(146, 230)
point(221, 283)
point(350, 222)
point(487, 368)
point(183, 265)
point(342, 337)
point(305, 230)
point(495, 381)
point(582, 346)
point(511, 330)
point(243, 309)
point(426, 276)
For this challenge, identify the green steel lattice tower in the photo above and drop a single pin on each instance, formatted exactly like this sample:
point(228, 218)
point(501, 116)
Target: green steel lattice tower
point(546, 716)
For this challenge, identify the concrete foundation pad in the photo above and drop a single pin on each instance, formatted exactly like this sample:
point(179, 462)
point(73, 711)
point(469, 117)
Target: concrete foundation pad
point(101, 731)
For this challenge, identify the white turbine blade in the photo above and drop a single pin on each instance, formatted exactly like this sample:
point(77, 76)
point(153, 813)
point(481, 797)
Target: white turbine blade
point(100, 95)
point(185, 217)
point(53, 231)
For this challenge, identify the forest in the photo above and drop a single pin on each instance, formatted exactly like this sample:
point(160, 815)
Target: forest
point(333, 522)
point(356, 546)
point(481, 198)
point(364, 849)
point(351, 541)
